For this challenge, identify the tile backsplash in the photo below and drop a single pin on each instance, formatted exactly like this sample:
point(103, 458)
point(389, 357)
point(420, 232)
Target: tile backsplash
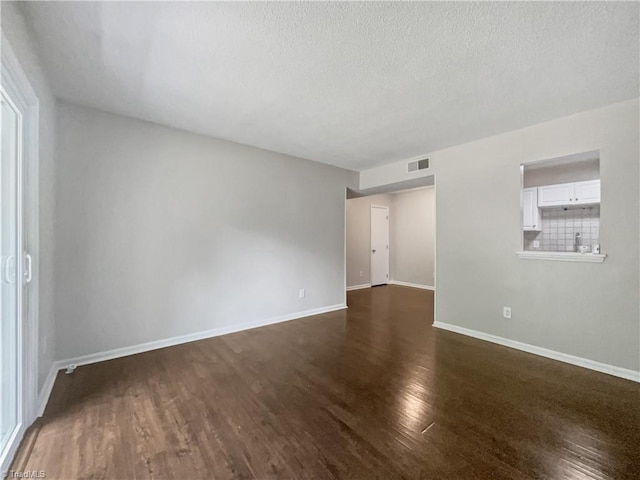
point(559, 228)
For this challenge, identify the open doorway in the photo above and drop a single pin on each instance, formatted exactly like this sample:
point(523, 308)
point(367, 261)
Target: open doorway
point(390, 237)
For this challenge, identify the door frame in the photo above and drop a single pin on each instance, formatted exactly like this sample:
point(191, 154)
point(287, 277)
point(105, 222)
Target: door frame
point(22, 95)
point(385, 207)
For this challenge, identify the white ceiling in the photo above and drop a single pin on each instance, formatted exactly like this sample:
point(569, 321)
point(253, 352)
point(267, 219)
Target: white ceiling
point(350, 84)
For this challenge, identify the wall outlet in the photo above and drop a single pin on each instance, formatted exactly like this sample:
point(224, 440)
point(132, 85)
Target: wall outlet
point(301, 293)
point(361, 273)
point(536, 244)
point(506, 312)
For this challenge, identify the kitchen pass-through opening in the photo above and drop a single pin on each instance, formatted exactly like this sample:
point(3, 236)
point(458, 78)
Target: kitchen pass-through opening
point(561, 204)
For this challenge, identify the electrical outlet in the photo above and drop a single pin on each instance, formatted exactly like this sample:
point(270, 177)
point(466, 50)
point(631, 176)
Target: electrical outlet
point(301, 293)
point(361, 273)
point(506, 312)
point(536, 244)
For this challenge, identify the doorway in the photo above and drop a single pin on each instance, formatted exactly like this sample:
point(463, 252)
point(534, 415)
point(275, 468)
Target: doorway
point(390, 236)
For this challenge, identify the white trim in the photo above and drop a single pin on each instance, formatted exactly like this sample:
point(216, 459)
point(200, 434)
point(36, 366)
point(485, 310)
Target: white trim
point(435, 250)
point(344, 247)
point(563, 256)
point(45, 392)
point(412, 285)
point(544, 352)
point(358, 287)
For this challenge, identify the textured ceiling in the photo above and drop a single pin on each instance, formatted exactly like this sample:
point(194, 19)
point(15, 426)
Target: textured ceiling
point(350, 84)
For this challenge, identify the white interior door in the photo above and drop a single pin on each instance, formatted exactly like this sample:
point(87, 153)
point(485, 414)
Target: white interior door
point(10, 276)
point(379, 245)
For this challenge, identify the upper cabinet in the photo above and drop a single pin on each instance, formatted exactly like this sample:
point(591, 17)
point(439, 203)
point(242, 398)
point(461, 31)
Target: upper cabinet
point(530, 211)
point(586, 192)
point(567, 194)
point(555, 195)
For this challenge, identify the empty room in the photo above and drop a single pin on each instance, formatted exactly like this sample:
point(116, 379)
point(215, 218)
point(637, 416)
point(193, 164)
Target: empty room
point(320, 240)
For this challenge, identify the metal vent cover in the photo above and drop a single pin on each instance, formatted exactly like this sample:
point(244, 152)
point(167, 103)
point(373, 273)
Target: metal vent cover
point(417, 165)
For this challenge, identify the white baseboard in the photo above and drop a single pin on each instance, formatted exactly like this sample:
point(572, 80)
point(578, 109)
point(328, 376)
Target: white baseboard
point(45, 391)
point(359, 287)
point(192, 337)
point(544, 352)
point(413, 285)
point(43, 398)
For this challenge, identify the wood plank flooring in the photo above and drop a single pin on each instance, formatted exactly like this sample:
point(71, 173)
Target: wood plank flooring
point(373, 392)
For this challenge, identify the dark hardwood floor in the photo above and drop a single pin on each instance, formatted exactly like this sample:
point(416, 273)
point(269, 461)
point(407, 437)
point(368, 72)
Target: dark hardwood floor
point(373, 392)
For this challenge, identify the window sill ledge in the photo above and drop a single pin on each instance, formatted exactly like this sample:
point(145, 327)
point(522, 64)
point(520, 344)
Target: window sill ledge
point(562, 256)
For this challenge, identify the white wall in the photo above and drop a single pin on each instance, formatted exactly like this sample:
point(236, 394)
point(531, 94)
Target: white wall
point(412, 237)
point(164, 233)
point(555, 174)
point(40, 230)
point(587, 310)
point(359, 237)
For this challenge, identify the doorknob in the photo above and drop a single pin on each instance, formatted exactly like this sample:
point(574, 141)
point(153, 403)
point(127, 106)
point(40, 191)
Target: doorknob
point(373, 251)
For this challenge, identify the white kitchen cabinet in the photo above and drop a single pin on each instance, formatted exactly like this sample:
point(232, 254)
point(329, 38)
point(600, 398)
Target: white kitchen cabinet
point(568, 194)
point(586, 193)
point(530, 210)
point(555, 195)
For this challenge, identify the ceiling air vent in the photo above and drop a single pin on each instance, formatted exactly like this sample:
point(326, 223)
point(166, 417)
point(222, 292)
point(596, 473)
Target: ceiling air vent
point(417, 165)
